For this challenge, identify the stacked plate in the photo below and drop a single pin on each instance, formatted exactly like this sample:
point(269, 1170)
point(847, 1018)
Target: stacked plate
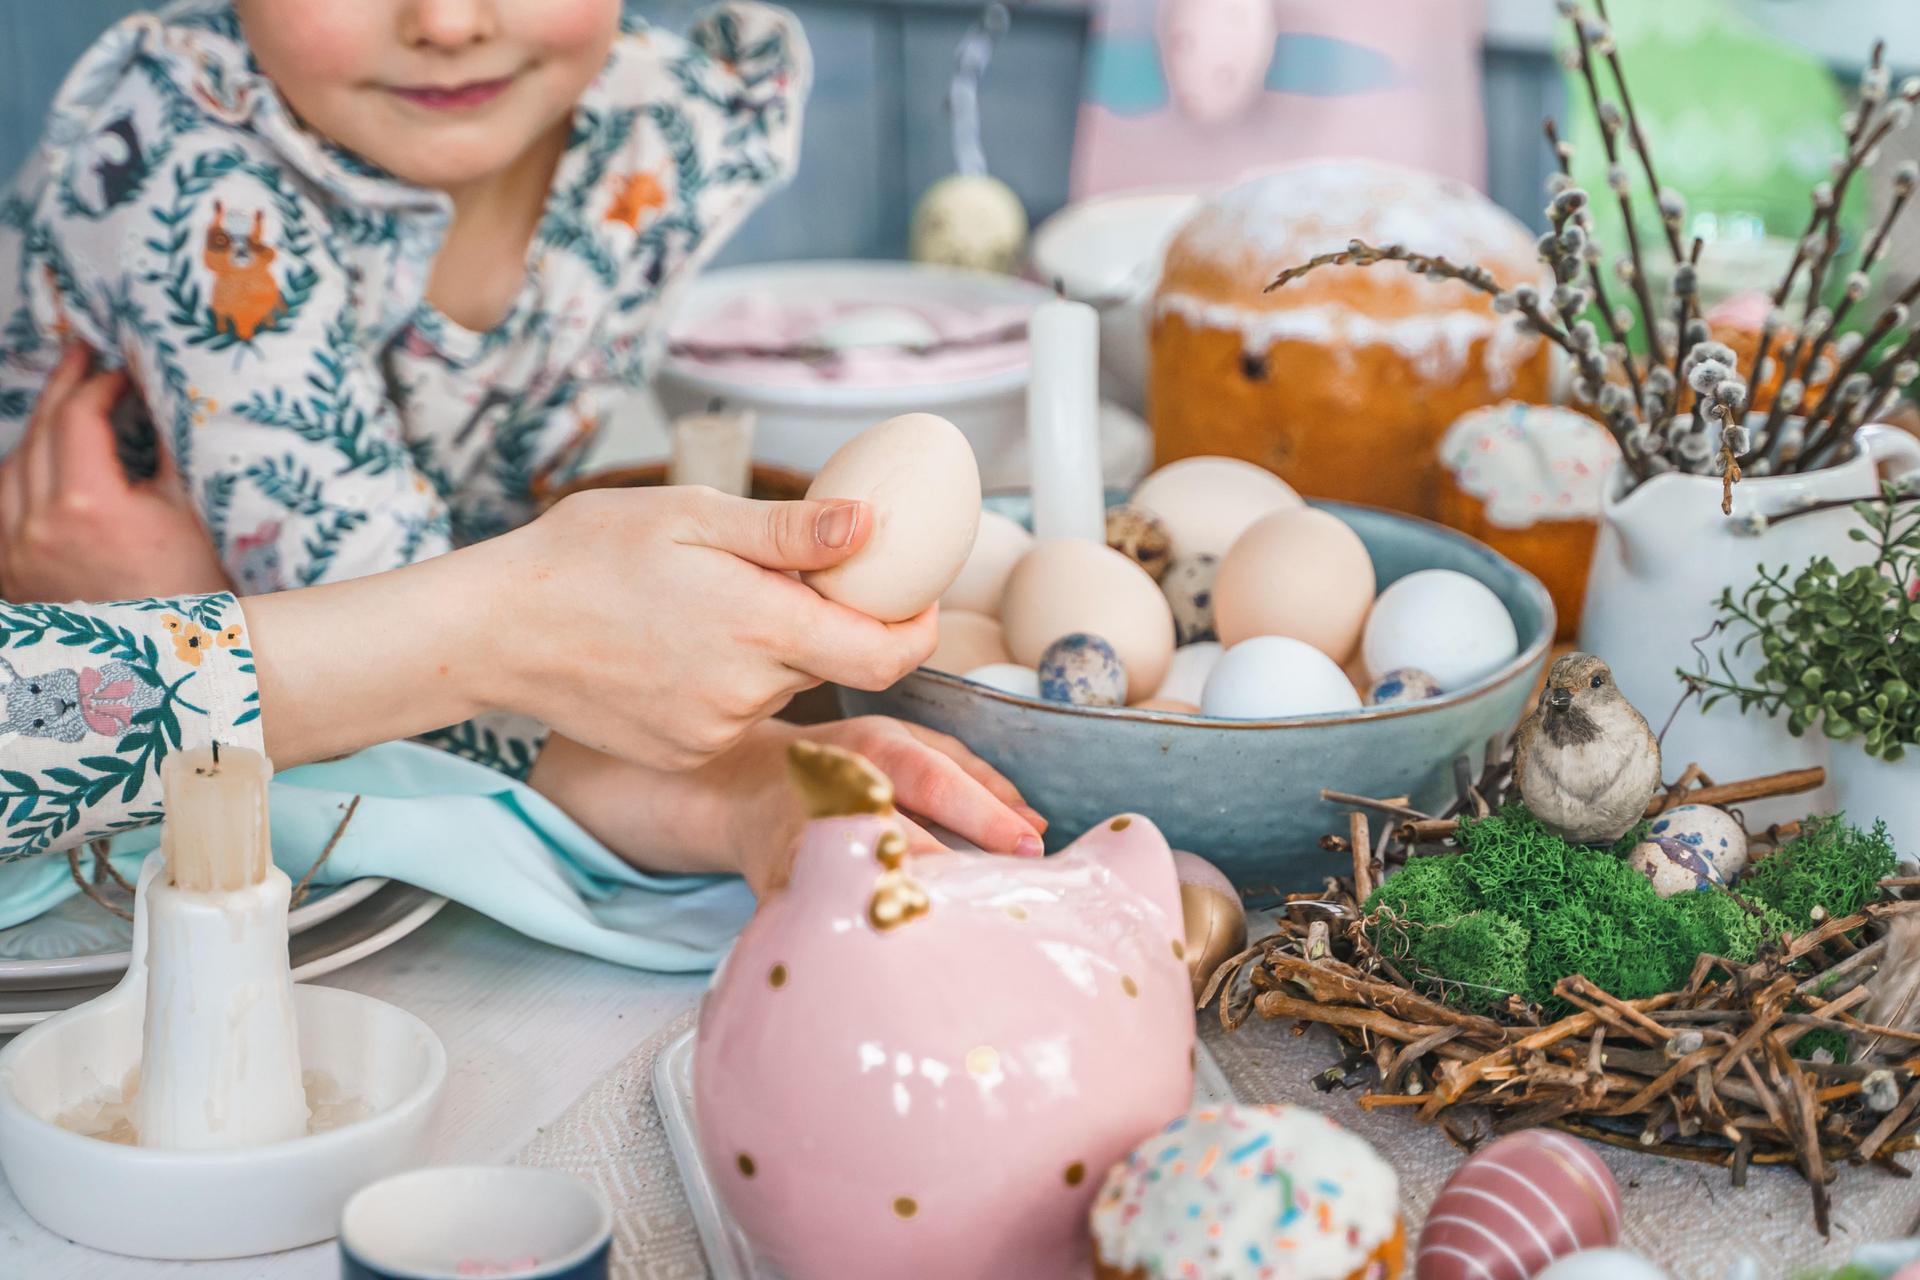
point(79, 949)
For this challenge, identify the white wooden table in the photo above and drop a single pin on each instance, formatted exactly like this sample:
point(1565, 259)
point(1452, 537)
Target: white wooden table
point(528, 1028)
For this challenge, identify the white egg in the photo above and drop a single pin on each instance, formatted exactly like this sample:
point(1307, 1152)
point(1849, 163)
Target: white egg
point(1008, 677)
point(1186, 678)
point(1271, 677)
point(983, 579)
point(876, 327)
point(1207, 503)
point(918, 474)
point(1443, 623)
point(1602, 1264)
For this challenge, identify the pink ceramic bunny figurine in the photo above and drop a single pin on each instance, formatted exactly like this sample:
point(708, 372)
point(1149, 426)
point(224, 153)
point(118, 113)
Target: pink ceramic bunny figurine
point(923, 1066)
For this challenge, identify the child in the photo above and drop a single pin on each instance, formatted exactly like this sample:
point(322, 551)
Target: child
point(378, 270)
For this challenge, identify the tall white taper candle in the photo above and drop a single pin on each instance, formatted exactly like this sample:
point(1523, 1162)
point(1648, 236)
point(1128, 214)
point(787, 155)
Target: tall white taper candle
point(1063, 421)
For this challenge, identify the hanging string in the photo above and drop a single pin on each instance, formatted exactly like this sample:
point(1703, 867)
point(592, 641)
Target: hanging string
point(963, 94)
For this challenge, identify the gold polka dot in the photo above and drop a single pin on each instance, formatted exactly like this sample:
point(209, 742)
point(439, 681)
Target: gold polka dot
point(745, 1162)
point(1017, 912)
point(1076, 1173)
point(1179, 949)
point(983, 1060)
point(1120, 824)
point(1128, 985)
point(905, 1207)
point(777, 977)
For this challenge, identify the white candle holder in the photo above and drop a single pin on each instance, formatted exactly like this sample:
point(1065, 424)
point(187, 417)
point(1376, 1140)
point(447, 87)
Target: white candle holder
point(204, 1204)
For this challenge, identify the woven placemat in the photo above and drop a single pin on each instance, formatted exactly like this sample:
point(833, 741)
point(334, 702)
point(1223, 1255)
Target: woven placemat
point(1685, 1216)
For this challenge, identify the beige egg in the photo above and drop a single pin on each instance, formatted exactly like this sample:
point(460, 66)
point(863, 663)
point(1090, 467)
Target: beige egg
point(967, 640)
point(1071, 585)
point(918, 474)
point(1207, 503)
point(1172, 706)
point(1299, 573)
point(983, 579)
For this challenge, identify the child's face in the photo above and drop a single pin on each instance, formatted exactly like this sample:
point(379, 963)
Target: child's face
point(438, 92)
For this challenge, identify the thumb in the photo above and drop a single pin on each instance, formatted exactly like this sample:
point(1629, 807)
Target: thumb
point(782, 536)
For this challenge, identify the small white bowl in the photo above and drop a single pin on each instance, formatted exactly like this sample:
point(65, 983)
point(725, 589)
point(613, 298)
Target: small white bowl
point(502, 1221)
point(801, 425)
point(1107, 251)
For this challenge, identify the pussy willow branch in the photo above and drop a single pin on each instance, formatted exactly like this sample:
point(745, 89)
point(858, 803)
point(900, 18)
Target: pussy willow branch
point(1563, 156)
point(1896, 314)
point(1880, 392)
point(1637, 138)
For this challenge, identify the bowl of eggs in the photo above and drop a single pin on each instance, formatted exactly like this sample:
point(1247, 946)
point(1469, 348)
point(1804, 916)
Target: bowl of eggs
point(1225, 654)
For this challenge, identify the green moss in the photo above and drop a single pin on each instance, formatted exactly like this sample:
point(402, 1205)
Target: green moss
point(1830, 864)
point(1821, 1038)
point(1485, 944)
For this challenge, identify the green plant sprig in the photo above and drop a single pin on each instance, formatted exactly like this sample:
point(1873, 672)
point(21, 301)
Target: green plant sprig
point(1839, 649)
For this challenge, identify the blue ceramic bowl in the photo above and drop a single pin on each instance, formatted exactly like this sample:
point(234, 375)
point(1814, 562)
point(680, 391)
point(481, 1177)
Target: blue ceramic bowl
point(503, 1221)
point(1246, 793)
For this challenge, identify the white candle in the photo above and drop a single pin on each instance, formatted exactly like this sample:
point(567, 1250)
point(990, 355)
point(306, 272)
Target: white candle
point(714, 449)
point(220, 1051)
point(1063, 421)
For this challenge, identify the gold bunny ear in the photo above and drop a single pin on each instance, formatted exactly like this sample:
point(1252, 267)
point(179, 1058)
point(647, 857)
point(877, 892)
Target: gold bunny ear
point(837, 783)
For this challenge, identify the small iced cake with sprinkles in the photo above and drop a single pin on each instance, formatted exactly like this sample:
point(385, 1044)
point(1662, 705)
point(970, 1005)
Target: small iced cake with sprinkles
point(1250, 1193)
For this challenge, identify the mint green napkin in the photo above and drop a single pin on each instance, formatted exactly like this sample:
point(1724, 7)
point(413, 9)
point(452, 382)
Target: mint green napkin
point(470, 834)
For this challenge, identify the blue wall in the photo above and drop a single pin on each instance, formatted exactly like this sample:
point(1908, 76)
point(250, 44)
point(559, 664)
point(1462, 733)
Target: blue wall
point(877, 131)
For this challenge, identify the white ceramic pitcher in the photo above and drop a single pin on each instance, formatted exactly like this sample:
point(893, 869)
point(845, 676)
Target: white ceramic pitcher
point(1664, 555)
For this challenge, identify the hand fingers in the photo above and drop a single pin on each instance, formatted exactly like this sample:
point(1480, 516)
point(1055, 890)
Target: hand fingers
point(36, 451)
point(938, 789)
point(13, 500)
point(781, 536)
point(996, 783)
point(829, 642)
point(84, 452)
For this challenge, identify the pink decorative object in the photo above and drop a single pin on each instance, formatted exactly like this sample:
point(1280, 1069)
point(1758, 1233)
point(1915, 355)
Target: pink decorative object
point(924, 1065)
point(1506, 1213)
point(1215, 54)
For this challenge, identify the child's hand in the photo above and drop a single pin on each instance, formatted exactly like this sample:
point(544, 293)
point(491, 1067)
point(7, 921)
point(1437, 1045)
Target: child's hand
point(73, 527)
point(741, 813)
point(679, 607)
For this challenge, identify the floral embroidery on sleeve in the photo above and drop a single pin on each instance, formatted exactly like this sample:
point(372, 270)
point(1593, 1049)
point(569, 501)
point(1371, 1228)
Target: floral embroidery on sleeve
point(94, 697)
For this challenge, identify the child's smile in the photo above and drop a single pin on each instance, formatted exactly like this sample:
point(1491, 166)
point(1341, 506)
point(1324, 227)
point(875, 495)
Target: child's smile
point(469, 96)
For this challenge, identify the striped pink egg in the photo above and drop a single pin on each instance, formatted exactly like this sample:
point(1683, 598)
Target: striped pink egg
point(1516, 1206)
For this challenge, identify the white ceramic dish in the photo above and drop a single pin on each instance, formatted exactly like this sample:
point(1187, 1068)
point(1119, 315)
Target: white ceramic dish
point(199, 1205)
point(801, 425)
point(377, 923)
point(466, 1220)
point(729, 1256)
point(1107, 251)
point(78, 943)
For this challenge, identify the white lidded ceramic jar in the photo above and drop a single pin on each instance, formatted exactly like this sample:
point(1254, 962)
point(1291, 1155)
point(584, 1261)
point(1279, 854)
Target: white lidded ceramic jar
point(1665, 554)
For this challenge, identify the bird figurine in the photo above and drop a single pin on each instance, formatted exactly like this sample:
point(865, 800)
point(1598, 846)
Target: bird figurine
point(1585, 761)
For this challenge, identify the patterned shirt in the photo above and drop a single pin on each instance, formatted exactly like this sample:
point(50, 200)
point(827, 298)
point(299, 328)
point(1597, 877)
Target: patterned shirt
point(94, 696)
point(267, 289)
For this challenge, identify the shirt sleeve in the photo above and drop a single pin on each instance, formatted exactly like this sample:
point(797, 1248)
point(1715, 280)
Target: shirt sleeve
point(220, 291)
point(94, 696)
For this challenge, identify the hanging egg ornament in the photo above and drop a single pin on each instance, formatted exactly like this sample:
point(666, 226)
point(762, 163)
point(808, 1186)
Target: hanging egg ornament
point(1083, 670)
point(1714, 834)
point(1603, 1264)
point(1524, 1201)
point(969, 220)
point(1008, 677)
point(1141, 537)
point(1407, 684)
point(1188, 586)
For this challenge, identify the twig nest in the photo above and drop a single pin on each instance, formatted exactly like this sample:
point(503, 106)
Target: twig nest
point(1603, 1264)
point(1713, 834)
point(1141, 537)
point(1406, 684)
point(1084, 670)
point(1525, 1201)
point(1188, 586)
